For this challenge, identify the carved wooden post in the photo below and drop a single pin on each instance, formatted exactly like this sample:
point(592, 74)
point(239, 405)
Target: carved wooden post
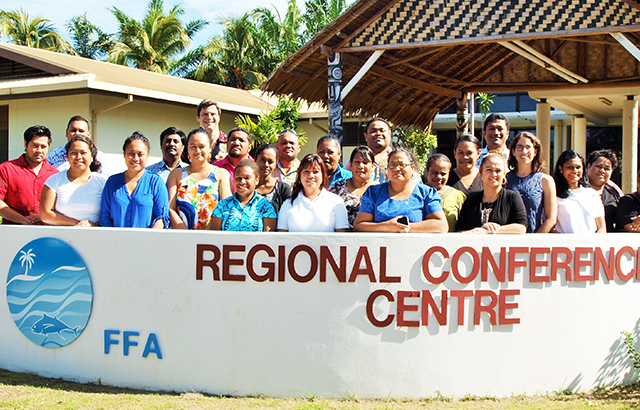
point(462, 116)
point(335, 104)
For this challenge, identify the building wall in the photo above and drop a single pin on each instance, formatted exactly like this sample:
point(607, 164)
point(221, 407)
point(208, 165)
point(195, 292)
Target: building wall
point(113, 126)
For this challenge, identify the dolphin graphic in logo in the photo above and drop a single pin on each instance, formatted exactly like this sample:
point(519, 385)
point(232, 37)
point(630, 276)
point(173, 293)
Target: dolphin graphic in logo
point(48, 325)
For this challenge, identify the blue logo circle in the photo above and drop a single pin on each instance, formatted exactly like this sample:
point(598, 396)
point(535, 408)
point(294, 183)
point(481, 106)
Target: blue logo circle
point(49, 292)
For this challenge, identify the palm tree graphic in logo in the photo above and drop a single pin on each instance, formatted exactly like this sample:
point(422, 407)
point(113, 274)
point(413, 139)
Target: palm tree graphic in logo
point(27, 258)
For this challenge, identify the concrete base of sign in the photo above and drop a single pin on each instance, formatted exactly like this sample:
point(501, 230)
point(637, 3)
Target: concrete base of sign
point(335, 315)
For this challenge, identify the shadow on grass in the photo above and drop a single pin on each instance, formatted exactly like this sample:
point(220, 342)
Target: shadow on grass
point(24, 379)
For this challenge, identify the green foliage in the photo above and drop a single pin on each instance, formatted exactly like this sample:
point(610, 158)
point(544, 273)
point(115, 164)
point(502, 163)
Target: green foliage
point(269, 124)
point(38, 32)
point(630, 343)
point(420, 141)
point(320, 13)
point(154, 43)
point(486, 101)
point(88, 40)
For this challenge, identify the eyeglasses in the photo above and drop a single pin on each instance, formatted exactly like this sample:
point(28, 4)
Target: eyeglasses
point(399, 165)
point(528, 148)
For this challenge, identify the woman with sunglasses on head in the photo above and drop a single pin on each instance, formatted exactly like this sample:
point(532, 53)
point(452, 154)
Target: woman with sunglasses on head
point(580, 209)
point(494, 210)
point(311, 207)
point(401, 204)
point(537, 190)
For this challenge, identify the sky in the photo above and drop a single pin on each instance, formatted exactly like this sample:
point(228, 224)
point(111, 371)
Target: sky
point(59, 12)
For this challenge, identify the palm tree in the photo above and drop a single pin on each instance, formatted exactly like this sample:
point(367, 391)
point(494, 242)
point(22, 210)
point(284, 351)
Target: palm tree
point(88, 40)
point(154, 43)
point(319, 13)
point(38, 32)
point(27, 258)
point(278, 36)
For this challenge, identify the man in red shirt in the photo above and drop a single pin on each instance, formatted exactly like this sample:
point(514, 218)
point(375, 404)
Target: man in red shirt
point(22, 179)
point(238, 145)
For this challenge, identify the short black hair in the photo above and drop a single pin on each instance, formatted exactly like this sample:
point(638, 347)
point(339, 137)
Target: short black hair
point(198, 131)
point(171, 131)
point(266, 146)
point(365, 152)
point(328, 137)
point(466, 138)
point(35, 132)
point(238, 129)
point(77, 118)
point(137, 135)
point(493, 117)
point(606, 153)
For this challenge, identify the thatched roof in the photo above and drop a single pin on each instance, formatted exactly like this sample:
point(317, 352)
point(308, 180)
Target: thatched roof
point(437, 50)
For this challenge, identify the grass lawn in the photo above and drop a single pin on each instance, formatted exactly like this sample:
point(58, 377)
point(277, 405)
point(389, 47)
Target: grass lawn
point(25, 391)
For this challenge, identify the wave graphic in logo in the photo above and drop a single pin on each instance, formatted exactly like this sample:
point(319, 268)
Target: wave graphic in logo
point(49, 292)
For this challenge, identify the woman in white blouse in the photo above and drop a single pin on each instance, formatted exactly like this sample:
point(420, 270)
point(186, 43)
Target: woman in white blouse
point(72, 197)
point(311, 207)
point(580, 209)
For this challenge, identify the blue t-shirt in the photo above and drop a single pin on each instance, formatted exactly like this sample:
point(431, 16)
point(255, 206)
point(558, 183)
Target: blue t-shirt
point(340, 175)
point(424, 200)
point(235, 217)
point(148, 203)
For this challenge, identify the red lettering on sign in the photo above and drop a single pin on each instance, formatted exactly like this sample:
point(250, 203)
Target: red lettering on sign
point(580, 263)
point(440, 314)
point(607, 266)
point(339, 270)
point(425, 265)
point(490, 308)
point(292, 263)
point(371, 300)
point(500, 271)
point(504, 306)
point(461, 295)
point(402, 307)
point(201, 263)
point(474, 269)
point(513, 263)
point(625, 276)
point(383, 268)
point(534, 264)
point(363, 254)
point(282, 257)
point(270, 267)
point(227, 262)
point(558, 264)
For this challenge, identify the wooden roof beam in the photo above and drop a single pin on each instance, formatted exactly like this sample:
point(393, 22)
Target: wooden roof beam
point(627, 44)
point(540, 59)
point(405, 80)
point(361, 73)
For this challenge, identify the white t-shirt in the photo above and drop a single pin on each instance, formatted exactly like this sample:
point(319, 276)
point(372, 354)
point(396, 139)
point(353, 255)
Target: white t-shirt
point(78, 201)
point(325, 213)
point(578, 212)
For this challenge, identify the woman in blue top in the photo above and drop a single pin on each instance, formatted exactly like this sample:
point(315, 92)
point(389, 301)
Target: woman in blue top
point(245, 210)
point(384, 207)
point(538, 190)
point(135, 198)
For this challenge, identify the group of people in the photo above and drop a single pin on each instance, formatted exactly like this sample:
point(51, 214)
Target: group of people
point(208, 180)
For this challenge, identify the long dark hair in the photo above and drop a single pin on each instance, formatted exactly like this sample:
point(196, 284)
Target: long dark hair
point(562, 186)
point(308, 161)
point(95, 164)
point(538, 163)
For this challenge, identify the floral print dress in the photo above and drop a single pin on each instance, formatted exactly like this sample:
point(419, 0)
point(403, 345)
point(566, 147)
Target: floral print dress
point(196, 200)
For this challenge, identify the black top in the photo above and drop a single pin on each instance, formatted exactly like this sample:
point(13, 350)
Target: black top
point(628, 208)
point(508, 208)
point(610, 203)
point(280, 193)
point(476, 185)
